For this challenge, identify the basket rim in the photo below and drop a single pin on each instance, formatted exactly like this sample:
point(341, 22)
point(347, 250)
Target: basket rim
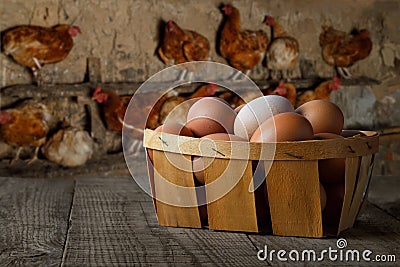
point(353, 146)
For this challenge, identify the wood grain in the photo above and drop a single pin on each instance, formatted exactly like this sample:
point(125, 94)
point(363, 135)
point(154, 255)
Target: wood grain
point(374, 230)
point(300, 150)
point(33, 220)
point(352, 168)
point(294, 198)
point(113, 223)
point(174, 187)
point(360, 190)
point(228, 183)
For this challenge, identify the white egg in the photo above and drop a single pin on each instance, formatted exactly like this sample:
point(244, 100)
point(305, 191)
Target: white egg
point(254, 113)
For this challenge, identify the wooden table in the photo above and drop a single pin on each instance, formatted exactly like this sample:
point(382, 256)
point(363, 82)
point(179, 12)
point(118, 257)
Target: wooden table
point(109, 221)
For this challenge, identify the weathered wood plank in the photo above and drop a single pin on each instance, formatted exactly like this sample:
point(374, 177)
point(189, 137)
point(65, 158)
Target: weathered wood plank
point(111, 165)
point(374, 230)
point(113, 223)
point(384, 193)
point(12, 93)
point(33, 220)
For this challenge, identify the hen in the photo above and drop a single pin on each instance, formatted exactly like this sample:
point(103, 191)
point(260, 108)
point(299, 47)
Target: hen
point(69, 147)
point(342, 50)
point(283, 50)
point(288, 91)
point(180, 46)
point(175, 108)
point(321, 92)
point(114, 108)
point(24, 126)
point(35, 46)
point(243, 49)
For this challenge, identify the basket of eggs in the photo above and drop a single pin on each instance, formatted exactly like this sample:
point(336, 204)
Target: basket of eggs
point(264, 167)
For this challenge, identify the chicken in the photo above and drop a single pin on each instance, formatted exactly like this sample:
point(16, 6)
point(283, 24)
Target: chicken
point(342, 50)
point(321, 92)
point(114, 108)
point(282, 51)
point(69, 147)
point(287, 90)
point(25, 125)
point(175, 108)
point(243, 49)
point(35, 46)
point(180, 46)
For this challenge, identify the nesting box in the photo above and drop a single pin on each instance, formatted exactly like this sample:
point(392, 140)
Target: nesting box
point(282, 197)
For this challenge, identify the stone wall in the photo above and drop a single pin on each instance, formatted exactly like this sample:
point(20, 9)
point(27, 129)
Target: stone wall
point(124, 34)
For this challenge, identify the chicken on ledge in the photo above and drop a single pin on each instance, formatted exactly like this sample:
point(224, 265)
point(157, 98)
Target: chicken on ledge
point(243, 49)
point(286, 90)
point(342, 50)
point(321, 92)
point(282, 52)
point(35, 46)
point(180, 46)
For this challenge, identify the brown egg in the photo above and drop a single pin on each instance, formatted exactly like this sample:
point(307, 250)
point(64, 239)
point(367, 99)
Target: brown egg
point(287, 126)
point(325, 116)
point(334, 203)
point(210, 115)
point(322, 195)
point(171, 128)
point(331, 170)
point(198, 163)
point(351, 133)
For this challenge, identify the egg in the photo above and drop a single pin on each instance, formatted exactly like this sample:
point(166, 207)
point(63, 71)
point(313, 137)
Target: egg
point(334, 203)
point(325, 116)
point(288, 126)
point(171, 128)
point(351, 133)
point(331, 170)
point(210, 115)
point(198, 163)
point(254, 113)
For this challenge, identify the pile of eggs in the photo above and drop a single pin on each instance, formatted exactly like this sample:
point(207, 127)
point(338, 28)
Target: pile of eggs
point(271, 118)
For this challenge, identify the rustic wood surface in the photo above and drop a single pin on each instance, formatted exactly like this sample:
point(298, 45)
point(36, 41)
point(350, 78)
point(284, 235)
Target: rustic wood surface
point(110, 221)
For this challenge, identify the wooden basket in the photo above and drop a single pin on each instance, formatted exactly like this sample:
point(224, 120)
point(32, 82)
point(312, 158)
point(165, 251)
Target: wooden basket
point(287, 204)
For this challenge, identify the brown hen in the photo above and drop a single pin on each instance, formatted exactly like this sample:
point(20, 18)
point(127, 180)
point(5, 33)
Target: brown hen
point(26, 125)
point(243, 49)
point(321, 92)
point(342, 50)
point(35, 46)
point(180, 46)
point(288, 91)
